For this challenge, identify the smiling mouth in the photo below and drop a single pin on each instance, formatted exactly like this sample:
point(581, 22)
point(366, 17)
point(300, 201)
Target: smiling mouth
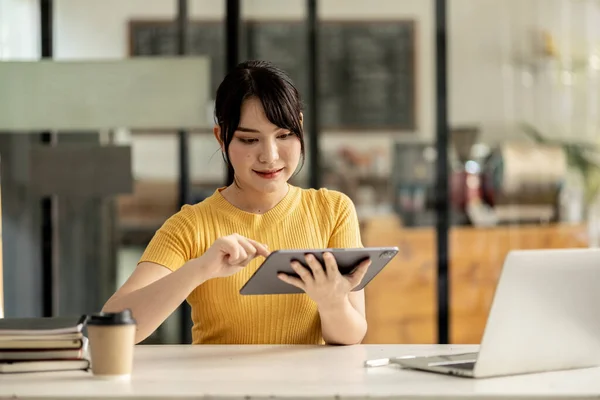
point(268, 174)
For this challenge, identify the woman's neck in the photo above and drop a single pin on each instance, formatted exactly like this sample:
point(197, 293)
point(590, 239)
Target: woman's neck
point(253, 201)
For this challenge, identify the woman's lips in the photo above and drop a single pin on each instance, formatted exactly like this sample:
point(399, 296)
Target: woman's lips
point(270, 174)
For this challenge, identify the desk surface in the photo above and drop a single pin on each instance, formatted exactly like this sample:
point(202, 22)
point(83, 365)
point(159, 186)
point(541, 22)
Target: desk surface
point(314, 372)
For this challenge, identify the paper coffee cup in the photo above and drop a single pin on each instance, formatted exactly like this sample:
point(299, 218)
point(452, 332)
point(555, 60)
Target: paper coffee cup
point(111, 341)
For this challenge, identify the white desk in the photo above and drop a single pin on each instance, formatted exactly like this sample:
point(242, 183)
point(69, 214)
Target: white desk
point(312, 372)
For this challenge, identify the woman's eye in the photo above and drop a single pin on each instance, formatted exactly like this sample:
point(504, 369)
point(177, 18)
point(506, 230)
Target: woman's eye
point(286, 136)
point(248, 141)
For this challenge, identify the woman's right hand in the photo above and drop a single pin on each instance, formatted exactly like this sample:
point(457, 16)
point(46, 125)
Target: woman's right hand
point(229, 254)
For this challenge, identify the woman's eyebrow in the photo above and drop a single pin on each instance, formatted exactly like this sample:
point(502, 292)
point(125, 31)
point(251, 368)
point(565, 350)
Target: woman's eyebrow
point(242, 129)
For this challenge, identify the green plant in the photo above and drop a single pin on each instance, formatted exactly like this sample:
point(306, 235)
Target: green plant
point(580, 156)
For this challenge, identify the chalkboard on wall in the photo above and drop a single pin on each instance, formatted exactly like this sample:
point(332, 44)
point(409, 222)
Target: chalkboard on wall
point(366, 68)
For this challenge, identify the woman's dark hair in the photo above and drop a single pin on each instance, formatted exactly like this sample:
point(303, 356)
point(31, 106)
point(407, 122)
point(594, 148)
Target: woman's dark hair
point(275, 90)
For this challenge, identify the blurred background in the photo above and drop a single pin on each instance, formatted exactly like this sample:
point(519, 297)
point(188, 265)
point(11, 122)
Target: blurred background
point(461, 129)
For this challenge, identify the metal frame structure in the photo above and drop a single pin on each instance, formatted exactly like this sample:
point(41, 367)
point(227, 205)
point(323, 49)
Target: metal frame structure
point(442, 201)
point(49, 206)
point(184, 159)
point(312, 22)
point(232, 48)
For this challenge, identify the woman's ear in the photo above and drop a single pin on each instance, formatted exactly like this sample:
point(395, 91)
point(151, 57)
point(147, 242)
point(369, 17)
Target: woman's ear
point(302, 119)
point(217, 133)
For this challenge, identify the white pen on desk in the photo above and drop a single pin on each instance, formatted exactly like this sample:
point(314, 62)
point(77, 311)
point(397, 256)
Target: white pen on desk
point(381, 362)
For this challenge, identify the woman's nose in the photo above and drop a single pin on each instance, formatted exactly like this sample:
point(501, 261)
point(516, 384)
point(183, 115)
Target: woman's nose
point(269, 153)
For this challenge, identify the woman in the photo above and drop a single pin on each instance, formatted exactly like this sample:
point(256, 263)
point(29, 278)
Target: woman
point(207, 251)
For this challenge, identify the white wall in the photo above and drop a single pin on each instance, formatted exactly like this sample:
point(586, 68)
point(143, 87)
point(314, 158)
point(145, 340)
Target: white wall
point(19, 30)
point(479, 40)
point(95, 30)
point(92, 29)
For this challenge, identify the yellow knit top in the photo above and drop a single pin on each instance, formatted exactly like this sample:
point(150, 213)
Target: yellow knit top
point(304, 219)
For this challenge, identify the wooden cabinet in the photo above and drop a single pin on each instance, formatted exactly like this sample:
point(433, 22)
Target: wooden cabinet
point(401, 302)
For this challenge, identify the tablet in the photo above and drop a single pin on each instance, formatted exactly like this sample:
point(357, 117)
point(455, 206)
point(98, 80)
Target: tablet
point(265, 280)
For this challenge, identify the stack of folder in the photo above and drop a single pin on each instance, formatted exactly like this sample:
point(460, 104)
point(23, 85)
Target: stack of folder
point(43, 344)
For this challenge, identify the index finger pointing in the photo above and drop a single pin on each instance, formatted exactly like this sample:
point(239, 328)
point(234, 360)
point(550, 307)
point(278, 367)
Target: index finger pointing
point(261, 249)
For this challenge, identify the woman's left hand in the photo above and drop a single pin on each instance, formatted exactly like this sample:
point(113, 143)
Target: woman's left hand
point(325, 285)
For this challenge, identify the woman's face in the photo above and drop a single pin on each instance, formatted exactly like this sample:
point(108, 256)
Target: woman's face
point(263, 156)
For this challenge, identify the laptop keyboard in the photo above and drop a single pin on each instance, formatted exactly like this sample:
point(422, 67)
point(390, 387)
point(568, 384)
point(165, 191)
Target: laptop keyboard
point(465, 365)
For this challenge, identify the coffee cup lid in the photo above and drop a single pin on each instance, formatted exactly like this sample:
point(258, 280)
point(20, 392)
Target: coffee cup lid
point(118, 318)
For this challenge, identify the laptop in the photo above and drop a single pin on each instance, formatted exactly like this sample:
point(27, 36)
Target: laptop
point(544, 317)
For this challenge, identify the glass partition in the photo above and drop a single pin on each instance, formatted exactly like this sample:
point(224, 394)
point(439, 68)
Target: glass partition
point(524, 115)
point(377, 114)
point(522, 143)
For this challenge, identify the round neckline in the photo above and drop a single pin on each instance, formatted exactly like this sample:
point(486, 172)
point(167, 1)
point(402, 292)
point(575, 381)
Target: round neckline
point(279, 210)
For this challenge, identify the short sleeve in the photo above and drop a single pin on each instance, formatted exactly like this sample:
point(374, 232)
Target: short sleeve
point(175, 242)
point(346, 228)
